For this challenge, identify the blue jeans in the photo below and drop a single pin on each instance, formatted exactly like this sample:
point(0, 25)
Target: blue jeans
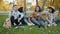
point(26, 20)
point(38, 22)
point(57, 21)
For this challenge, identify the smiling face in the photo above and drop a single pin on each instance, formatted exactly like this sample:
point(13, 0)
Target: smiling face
point(50, 10)
point(37, 9)
point(15, 8)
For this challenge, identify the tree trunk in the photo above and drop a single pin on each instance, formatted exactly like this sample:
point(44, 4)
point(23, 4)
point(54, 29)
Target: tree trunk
point(44, 2)
point(36, 2)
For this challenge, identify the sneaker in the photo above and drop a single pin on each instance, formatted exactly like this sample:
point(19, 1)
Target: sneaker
point(49, 25)
point(29, 24)
point(32, 24)
point(14, 24)
point(20, 24)
point(54, 24)
point(16, 27)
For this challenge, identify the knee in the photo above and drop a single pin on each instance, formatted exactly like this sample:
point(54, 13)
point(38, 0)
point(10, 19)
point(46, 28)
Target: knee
point(12, 17)
point(19, 16)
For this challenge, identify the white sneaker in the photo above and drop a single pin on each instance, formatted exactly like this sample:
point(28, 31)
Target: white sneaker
point(29, 24)
point(32, 24)
point(16, 27)
point(14, 24)
point(20, 23)
point(54, 24)
point(49, 25)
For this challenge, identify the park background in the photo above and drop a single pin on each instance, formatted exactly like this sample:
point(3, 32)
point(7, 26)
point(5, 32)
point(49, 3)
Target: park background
point(29, 6)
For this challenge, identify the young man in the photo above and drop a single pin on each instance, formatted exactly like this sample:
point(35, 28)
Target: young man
point(15, 16)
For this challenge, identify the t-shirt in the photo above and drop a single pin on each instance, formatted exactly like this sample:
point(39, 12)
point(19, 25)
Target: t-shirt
point(50, 16)
point(15, 14)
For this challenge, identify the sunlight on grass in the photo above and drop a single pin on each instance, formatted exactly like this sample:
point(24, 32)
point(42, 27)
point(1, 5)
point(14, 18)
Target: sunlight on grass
point(28, 29)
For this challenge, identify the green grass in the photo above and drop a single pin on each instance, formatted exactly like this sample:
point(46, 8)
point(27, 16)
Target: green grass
point(28, 29)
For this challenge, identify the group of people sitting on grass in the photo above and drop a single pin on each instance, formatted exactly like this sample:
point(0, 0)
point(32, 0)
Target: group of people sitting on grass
point(18, 17)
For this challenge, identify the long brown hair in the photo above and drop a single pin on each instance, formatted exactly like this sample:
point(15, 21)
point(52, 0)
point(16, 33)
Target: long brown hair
point(39, 8)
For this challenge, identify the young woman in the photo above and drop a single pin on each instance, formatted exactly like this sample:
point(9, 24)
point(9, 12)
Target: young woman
point(36, 17)
point(50, 16)
point(25, 20)
point(21, 10)
point(15, 16)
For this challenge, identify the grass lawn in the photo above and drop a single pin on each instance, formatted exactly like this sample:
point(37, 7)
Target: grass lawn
point(28, 29)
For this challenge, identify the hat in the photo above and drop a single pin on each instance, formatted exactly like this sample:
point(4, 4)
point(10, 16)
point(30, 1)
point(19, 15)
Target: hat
point(52, 7)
